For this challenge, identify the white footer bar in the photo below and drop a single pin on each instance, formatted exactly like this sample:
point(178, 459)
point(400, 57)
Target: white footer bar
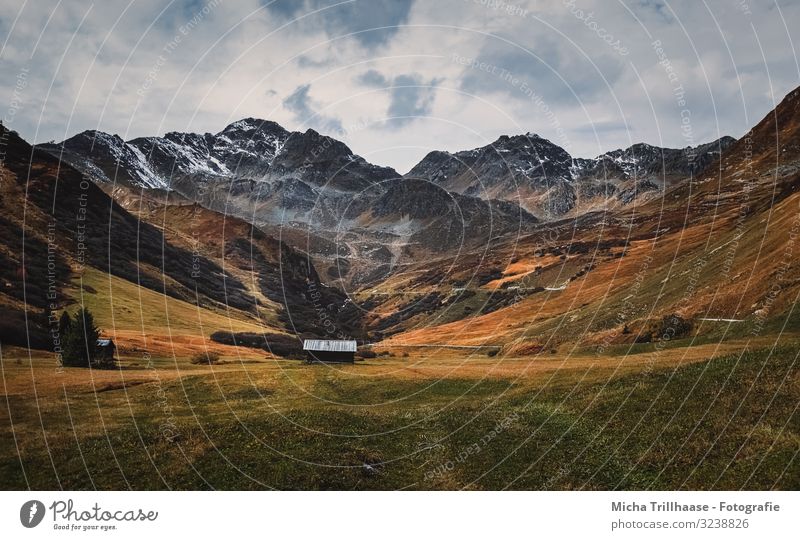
point(400, 515)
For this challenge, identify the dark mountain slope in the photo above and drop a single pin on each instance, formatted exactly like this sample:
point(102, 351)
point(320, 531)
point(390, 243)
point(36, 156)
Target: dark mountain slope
point(67, 224)
point(550, 183)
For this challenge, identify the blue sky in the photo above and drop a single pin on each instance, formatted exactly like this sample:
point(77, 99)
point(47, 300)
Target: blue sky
point(395, 79)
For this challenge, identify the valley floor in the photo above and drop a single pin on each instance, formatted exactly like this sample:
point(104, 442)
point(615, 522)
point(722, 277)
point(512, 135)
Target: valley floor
point(718, 416)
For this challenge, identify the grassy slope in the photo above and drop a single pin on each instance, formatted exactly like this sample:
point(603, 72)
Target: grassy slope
point(703, 270)
point(142, 319)
point(727, 423)
point(139, 308)
point(722, 245)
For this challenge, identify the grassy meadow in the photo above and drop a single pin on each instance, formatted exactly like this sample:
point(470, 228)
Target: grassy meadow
point(703, 417)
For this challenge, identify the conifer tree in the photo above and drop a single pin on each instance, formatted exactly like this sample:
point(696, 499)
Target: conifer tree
point(80, 340)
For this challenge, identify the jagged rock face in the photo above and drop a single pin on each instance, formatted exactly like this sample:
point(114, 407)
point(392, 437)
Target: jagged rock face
point(415, 199)
point(646, 161)
point(253, 168)
point(596, 189)
point(509, 164)
point(192, 248)
point(420, 199)
point(550, 183)
point(86, 215)
point(250, 148)
point(560, 199)
point(243, 149)
point(629, 194)
point(107, 158)
point(431, 217)
point(264, 173)
point(325, 162)
point(604, 167)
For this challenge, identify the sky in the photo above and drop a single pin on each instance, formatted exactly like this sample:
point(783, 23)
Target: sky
point(395, 79)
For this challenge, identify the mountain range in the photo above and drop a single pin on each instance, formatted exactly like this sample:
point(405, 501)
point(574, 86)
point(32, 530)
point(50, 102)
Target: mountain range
point(313, 188)
point(259, 229)
point(293, 176)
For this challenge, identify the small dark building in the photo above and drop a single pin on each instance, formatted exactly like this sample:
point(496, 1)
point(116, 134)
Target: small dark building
point(329, 351)
point(105, 351)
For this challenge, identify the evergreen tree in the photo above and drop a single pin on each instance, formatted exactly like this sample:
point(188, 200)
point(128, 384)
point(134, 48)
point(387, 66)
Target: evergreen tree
point(80, 340)
point(64, 324)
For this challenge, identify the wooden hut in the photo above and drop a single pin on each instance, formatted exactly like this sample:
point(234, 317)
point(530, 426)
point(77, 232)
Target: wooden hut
point(105, 351)
point(330, 350)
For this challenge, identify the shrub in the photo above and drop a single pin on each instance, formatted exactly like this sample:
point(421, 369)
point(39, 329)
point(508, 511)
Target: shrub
point(205, 358)
point(669, 327)
point(281, 345)
point(104, 363)
point(487, 275)
point(674, 327)
point(285, 349)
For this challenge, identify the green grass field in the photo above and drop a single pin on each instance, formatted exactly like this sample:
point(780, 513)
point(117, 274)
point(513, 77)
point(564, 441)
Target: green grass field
point(389, 423)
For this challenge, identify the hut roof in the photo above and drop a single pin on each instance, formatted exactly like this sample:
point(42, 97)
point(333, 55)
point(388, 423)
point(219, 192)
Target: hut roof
point(331, 345)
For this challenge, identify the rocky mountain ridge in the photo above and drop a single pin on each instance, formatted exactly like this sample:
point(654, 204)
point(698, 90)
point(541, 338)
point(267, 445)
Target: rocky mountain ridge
point(547, 181)
point(293, 176)
point(332, 203)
